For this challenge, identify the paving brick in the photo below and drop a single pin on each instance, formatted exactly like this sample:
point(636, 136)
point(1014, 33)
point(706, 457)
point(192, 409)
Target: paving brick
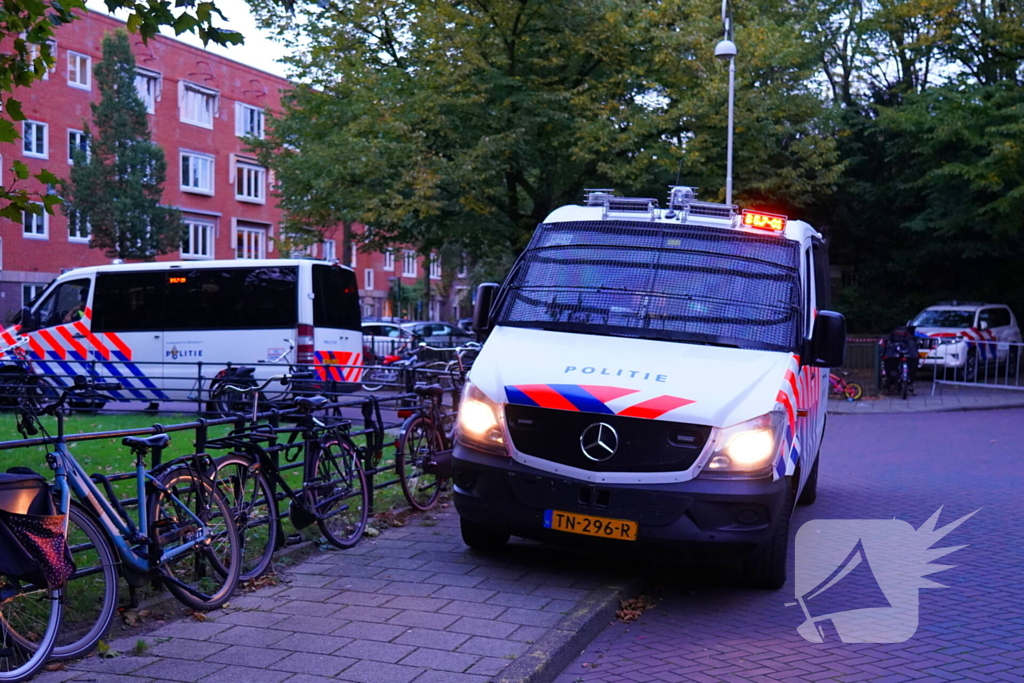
point(247, 635)
point(489, 666)
point(308, 580)
point(364, 571)
point(179, 648)
point(255, 618)
point(306, 609)
point(192, 630)
point(410, 575)
point(560, 606)
point(358, 630)
point(529, 617)
point(463, 580)
point(447, 567)
point(178, 670)
point(377, 615)
point(420, 590)
point(528, 634)
point(308, 594)
point(300, 624)
point(450, 677)
point(472, 609)
point(241, 655)
point(482, 627)
point(440, 660)
point(309, 642)
point(116, 665)
point(518, 600)
point(375, 650)
point(398, 563)
point(423, 619)
point(492, 647)
point(380, 672)
point(427, 637)
point(317, 665)
point(245, 674)
point(350, 583)
point(356, 598)
point(421, 604)
point(466, 594)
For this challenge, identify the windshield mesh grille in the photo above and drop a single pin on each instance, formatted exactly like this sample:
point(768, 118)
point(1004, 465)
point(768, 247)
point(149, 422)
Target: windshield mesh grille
point(662, 281)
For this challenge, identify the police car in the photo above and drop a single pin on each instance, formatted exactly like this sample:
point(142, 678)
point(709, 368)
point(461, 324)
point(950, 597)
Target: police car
point(651, 376)
point(958, 335)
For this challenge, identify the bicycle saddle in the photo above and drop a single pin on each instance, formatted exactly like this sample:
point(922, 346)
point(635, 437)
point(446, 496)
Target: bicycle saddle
point(428, 390)
point(155, 441)
point(311, 402)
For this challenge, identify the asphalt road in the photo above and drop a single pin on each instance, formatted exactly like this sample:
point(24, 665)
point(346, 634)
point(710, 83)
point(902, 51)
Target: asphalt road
point(879, 467)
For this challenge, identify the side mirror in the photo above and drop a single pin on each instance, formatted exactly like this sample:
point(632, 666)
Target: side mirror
point(983, 325)
point(485, 294)
point(27, 319)
point(827, 348)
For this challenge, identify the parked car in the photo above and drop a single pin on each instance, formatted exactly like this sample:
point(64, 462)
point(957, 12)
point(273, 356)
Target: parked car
point(438, 333)
point(385, 339)
point(951, 334)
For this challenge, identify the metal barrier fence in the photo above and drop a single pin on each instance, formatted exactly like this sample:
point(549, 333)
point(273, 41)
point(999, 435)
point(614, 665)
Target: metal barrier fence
point(863, 362)
point(968, 363)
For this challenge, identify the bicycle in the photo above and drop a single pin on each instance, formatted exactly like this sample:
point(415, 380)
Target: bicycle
point(225, 401)
point(184, 538)
point(333, 493)
point(838, 385)
point(19, 382)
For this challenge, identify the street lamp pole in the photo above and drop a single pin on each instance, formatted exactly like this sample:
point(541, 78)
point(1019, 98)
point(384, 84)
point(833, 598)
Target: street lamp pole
point(726, 49)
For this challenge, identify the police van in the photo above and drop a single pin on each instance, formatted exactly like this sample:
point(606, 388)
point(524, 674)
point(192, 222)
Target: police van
point(651, 375)
point(166, 330)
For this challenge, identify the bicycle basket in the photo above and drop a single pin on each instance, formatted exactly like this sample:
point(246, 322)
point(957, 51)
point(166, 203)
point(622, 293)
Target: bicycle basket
point(33, 542)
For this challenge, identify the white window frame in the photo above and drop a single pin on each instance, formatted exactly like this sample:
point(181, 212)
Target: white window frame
point(195, 226)
point(409, 263)
point(243, 112)
point(389, 259)
point(435, 267)
point(34, 153)
point(368, 279)
point(35, 49)
point(81, 66)
point(81, 136)
point(256, 239)
point(188, 95)
point(44, 218)
point(198, 188)
point(329, 250)
point(156, 79)
point(79, 239)
point(250, 177)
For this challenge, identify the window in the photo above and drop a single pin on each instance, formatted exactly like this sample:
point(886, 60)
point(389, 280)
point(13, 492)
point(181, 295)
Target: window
point(65, 304)
point(79, 70)
point(35, 139)
point(368, 279)
point(250, 241)
point(198, 104)
point(79, 230)
point(409, 263)
point(147, 83)
point(389, 259)
point(335, 298)
point(34, 52)
point(463, 271)
point(355, 251)
point(196, 173)
point(250, 183)
point(199, 238)
point(435, 267)
point(994, 317)
point(29, 293)
point(77, 140)
point(35, 225)
point(330, 251)
point(248, 121)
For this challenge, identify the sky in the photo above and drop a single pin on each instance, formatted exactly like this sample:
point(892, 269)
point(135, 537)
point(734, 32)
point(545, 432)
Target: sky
point(258, 51)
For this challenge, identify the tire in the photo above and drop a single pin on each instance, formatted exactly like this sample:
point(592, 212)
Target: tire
point(854, 391)
point(29, 625)
point(417, 442)
point(969, 372)
point(337, 492)
point(251, 499)
point(18, 387)
point(209, 573)
point(90, 597)
point(767, 567)
point(375, 379)
point(810, 492)
point(480, 537)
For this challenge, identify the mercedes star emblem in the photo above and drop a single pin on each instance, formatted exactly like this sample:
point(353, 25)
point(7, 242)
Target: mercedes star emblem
point(599, 441)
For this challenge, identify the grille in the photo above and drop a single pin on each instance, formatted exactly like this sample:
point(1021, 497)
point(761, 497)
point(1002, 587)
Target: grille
point(651, 508)
point(643, 445)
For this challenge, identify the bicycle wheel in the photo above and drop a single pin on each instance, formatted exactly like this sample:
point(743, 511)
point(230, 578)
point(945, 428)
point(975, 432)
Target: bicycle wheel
point(417, 443)
point(30, 619)
point(226, 402)
point(374, 379)
point(854, 391)
point(337, 492)
point(204, 576)
point(251, 499)
point(90, 596)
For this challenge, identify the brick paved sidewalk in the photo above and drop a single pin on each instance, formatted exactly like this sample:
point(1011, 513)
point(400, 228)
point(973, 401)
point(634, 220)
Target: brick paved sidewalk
point(946, 399)
point(413, 604)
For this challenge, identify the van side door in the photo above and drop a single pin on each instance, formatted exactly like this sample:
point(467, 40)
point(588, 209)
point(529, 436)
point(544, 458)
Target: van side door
point(63, 344)
point(337, 324)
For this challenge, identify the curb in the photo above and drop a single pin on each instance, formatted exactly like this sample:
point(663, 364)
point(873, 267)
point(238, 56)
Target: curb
point(941, 409)
point(547, 659)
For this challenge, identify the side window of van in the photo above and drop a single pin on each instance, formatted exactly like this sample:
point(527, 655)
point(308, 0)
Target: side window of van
point(65, 304)
point(808, 299)
point(822, 276)
point(129, 302)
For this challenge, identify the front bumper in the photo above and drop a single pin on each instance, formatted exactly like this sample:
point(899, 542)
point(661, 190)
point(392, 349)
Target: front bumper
point(950, 355)
point(720, 519)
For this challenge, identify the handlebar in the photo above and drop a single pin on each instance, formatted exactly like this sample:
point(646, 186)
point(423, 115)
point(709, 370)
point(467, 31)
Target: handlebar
point(283, 379)
point(468, 346)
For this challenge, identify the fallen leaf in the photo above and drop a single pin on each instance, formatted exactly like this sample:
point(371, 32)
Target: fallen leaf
point(630, 610)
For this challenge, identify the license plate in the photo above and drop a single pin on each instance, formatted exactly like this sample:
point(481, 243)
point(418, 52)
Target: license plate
point(589, 525)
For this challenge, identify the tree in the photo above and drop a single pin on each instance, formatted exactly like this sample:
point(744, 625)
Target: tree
point(116, 188)
point(466, 123)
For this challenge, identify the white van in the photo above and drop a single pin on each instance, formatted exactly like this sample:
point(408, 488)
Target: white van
point(651, 375)
point(164, 330)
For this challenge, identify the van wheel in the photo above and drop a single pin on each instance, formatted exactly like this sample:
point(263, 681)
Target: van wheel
point(810, 492)
point(767, 567)
point(480, 537)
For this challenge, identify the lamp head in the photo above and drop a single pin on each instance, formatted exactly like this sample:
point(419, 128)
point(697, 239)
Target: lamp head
point(726, 49)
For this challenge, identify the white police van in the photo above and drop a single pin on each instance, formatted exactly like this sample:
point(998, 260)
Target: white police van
point(651, 375)
point(166, 330)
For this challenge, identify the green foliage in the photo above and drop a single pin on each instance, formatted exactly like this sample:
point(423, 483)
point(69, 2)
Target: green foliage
point(117, 189)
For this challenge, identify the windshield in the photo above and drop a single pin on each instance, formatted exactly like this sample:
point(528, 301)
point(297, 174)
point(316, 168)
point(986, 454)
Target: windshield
point(954, 318)
point(655, 281)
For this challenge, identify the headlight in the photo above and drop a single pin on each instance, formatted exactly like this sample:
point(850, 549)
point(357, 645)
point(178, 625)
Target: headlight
point(480, 422)
point(747, 449)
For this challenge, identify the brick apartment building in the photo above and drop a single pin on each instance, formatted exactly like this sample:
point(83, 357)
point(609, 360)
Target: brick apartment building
point(201, 107)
